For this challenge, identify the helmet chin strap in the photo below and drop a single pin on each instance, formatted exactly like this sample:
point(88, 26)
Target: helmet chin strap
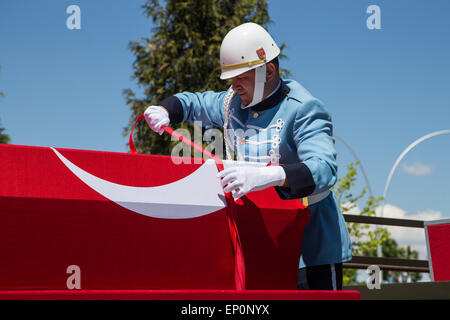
point(260, 80)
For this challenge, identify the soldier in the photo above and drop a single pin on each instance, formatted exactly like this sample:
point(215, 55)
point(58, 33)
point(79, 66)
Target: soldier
point(267, 119)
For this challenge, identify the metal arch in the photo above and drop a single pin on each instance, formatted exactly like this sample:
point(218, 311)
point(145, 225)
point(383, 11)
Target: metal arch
point(402, 155)
point(357, 159)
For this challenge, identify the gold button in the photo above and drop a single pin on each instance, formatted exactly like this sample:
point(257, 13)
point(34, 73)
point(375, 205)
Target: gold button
point(304, 201)
point(255, 115)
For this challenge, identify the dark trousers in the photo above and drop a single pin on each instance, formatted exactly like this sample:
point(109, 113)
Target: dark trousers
point(323, 277)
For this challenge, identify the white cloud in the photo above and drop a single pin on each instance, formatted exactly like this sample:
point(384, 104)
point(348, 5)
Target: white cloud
point(417, 169)
point(405, 236)
point(414, 237)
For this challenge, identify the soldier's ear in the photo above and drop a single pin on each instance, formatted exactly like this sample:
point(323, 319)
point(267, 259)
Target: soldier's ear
point(270, 70)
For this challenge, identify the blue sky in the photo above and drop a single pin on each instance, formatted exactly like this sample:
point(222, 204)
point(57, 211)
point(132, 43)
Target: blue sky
point(385, 88)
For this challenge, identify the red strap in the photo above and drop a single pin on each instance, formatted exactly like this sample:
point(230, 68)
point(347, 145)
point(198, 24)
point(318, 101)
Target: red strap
point(192, 144)
point(130, 141)
point(239, 263)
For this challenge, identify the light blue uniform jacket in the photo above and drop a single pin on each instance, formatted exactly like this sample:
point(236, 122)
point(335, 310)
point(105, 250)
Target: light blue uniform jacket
point(298, 129)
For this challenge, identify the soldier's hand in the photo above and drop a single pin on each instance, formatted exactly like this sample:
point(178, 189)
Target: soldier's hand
point(157, 117)
point(241, 180)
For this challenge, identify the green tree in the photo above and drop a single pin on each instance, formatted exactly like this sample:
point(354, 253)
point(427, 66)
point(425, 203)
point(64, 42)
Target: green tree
point(391, 249)
point(183, 55)
point(366, 239)
point(4, 138)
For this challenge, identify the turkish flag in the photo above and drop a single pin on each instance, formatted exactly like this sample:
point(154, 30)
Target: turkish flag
point(136, 222)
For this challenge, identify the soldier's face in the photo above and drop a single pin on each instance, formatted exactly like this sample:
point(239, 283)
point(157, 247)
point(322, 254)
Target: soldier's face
point(244, 85)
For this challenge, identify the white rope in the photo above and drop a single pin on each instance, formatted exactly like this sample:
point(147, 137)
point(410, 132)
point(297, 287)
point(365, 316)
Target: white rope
point(226, 106)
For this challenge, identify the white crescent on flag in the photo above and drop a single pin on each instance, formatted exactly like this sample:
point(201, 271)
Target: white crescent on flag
point(195, 195)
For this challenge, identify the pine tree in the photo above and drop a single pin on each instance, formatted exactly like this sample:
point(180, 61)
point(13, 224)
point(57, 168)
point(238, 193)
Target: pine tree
point(183, 55)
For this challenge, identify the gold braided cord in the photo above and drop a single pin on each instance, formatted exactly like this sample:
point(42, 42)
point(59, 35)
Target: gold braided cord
point(243, 64)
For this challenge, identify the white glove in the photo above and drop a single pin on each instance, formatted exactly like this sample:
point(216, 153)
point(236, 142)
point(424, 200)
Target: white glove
point(241, 180)
point(157, 117)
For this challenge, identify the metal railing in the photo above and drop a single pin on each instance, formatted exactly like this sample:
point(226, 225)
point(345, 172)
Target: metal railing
point(394, 264)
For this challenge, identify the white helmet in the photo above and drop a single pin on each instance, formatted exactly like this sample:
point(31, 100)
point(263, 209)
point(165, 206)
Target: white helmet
point(244, 48)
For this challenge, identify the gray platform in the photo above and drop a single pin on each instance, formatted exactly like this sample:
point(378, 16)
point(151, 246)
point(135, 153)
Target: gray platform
point(439, 290)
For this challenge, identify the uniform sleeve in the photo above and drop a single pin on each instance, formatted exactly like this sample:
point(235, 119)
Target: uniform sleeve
point(313, 136)
point(206, 107)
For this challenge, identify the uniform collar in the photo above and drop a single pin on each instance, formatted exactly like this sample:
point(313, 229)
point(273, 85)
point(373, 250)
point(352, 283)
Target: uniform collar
point(274, 99)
